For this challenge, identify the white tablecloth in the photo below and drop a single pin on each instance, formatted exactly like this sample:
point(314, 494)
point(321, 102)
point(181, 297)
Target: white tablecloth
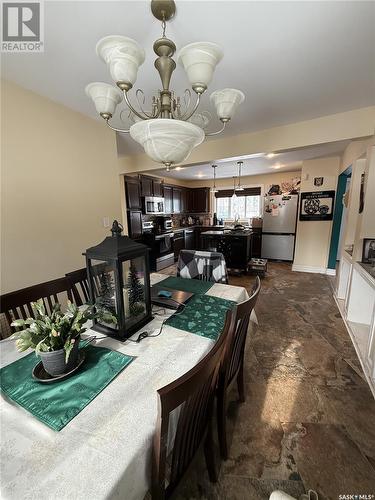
point(105, 451)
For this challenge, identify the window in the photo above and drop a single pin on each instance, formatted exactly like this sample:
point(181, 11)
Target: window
point(241, 207)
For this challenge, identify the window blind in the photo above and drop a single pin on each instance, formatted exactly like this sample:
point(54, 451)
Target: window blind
point(227, 193)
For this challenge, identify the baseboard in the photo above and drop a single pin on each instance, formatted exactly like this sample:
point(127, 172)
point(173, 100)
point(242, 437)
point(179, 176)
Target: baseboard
point(309, 269)
point(331, 272)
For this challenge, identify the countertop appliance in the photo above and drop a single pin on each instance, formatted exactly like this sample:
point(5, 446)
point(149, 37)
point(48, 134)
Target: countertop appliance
point(154, 205)
point(147, 226)
point(163, 225)
point(279, 226)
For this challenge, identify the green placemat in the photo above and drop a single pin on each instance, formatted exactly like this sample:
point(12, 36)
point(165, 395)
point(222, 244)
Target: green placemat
point(203, 315)
point(186, 285)
point(57, 404)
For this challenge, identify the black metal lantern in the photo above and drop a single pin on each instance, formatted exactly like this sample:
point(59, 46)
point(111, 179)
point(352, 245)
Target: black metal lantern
point(119, 278)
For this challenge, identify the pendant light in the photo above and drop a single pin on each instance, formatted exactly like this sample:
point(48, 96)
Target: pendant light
point(234, 196)
point(214, 188)
point(239, 187)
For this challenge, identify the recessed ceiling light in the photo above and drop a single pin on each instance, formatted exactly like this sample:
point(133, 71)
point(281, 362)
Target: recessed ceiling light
point(270, 155)
point(277, 166)
point(200, 175)
point(178, 168)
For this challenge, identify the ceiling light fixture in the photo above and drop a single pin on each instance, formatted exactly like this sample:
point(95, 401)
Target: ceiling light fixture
point(164, 131)
point(214, 188)
point(270, 155)
point(234, 196)
point(239, 187)
point(277, 166)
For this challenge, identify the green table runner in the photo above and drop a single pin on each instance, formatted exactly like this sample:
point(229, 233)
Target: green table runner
point(186, 285)
point(57, 404)
point(203, 315)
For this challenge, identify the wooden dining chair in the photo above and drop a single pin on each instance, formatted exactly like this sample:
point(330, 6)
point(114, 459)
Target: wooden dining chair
point(192, 395)
point(17, 305)
point(233, 363)
point(79, 286)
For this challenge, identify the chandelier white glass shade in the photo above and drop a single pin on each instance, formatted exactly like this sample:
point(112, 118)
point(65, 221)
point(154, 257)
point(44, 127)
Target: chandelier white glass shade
point(171, 127)
point(226, 102)
point(123, 57)
point(165, 140)
point(199, 61)
point(105, 97)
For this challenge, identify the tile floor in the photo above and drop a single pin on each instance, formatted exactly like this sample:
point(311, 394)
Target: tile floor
point(309, 416)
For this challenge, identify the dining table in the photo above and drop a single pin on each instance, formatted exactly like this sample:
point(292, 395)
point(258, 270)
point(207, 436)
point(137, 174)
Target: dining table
point(105, 451)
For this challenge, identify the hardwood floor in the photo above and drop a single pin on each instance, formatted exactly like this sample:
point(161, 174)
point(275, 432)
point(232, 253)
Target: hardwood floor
point(309, 416)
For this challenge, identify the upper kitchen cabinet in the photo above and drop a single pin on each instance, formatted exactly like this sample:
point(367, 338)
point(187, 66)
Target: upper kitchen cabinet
point(146, 186)
point(157, 186)
point(176, 197)
point(133, 193)
point(151, 186)
point(200, 200)
point(168, 202)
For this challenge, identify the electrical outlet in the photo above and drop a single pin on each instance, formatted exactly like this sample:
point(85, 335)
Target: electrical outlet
point(105, 221)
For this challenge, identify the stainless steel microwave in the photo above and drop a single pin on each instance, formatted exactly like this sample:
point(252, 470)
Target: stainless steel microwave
point(154, 205)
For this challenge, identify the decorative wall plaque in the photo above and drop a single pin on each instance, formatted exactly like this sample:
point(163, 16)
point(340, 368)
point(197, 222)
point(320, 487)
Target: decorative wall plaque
point(317, 205)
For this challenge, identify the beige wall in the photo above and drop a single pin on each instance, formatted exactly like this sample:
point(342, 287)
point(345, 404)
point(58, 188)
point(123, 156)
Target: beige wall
point(353, 124)
point(59, 179)
point(314, 237)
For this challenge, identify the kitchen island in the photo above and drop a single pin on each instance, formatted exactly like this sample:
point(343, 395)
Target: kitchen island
point(236, 246)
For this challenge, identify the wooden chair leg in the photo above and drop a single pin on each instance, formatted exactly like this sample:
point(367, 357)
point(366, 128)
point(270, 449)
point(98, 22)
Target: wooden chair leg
point(222, 423)
point(209, 455)
point(240, 383)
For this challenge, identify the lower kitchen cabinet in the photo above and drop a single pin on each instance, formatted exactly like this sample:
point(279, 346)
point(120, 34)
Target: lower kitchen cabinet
point(190, 239)
point(178, 243)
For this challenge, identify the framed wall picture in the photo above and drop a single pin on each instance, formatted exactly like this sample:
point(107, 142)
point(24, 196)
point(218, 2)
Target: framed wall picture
point(368, 252)
point(317, 205)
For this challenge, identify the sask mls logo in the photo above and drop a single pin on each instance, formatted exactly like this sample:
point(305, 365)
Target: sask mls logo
point(22, 27)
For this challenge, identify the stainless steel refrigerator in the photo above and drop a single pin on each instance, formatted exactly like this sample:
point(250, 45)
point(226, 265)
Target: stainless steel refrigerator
point(279, 226)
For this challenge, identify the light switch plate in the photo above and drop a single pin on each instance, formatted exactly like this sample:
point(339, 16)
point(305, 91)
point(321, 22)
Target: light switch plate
point(106, 221)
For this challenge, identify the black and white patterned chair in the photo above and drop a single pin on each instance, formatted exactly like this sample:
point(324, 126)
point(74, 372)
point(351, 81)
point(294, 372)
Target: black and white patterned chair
point(205, 266)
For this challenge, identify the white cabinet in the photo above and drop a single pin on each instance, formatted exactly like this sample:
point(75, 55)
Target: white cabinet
point(355, 296)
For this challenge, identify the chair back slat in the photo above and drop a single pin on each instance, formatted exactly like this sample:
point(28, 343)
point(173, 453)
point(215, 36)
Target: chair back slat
point(234, 354)
point(17, 305)
point(192, 396)
point(79, 285)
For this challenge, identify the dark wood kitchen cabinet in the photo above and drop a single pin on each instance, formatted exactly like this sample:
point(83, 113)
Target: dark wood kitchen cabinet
point(157, 187)
point(168, 202)
point(146, 186)
point(135, 224)
point(133, 193)
point(176, 197)
point(200, 200)
point(151, 186)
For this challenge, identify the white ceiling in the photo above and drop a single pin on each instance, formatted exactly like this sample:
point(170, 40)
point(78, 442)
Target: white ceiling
point(293, 60)
point(288, 161)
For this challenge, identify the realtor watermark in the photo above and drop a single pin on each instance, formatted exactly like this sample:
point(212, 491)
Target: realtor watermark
point(22, 26)
point(359, 496)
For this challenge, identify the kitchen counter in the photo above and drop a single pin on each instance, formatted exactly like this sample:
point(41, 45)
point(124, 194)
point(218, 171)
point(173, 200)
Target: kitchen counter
point(227, 234)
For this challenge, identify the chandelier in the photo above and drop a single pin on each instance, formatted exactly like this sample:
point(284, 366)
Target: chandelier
point(171, 128)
